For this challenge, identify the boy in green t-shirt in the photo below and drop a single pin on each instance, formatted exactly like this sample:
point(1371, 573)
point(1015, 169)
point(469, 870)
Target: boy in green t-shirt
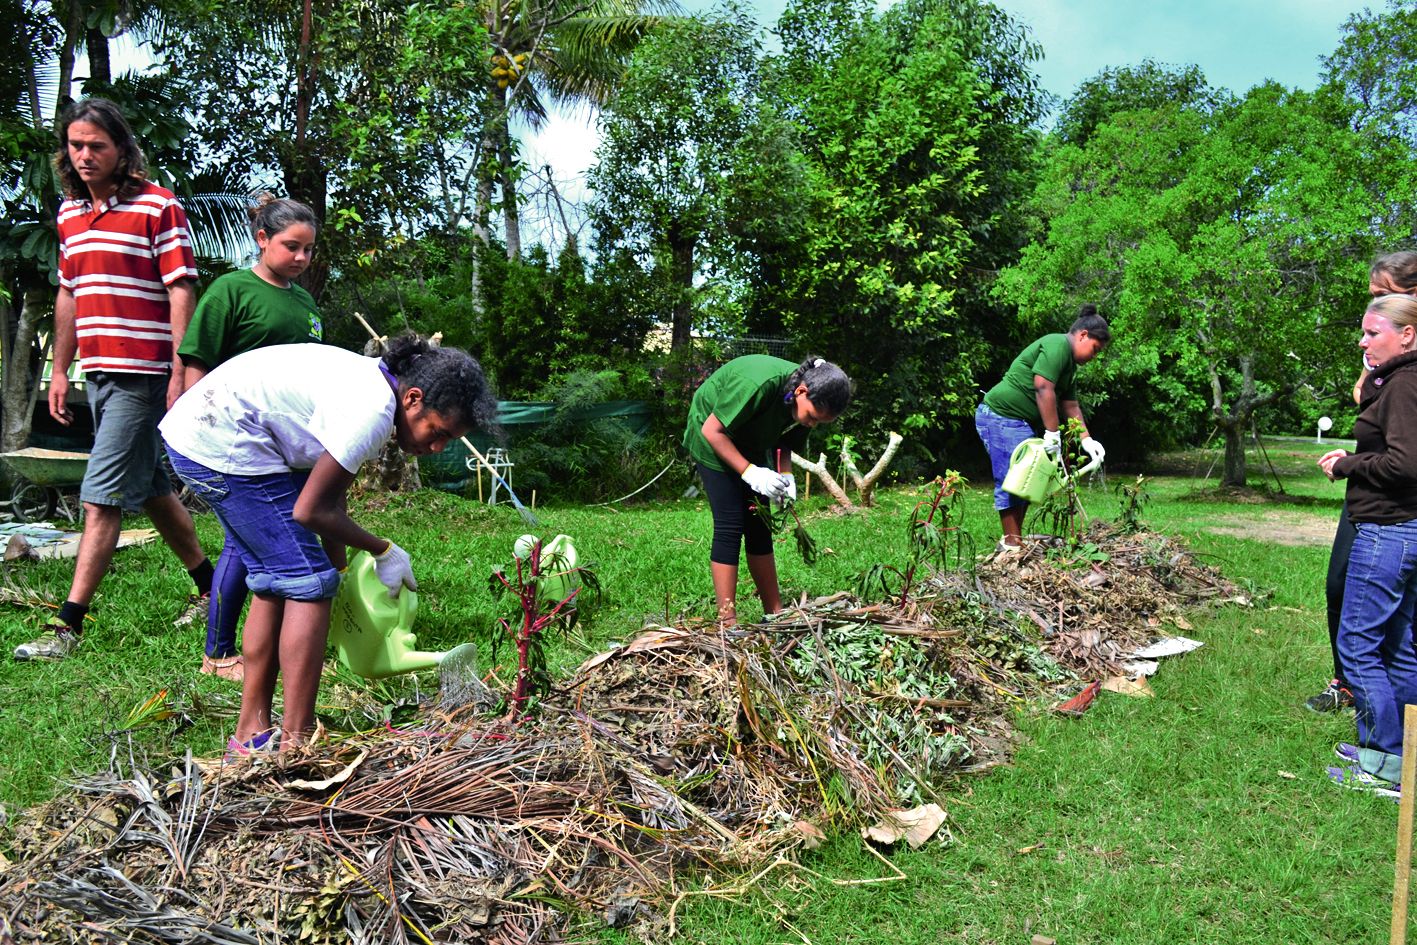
point(1037, 393)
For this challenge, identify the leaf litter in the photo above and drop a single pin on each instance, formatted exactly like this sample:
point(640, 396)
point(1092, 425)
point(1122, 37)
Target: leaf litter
point(691, 761)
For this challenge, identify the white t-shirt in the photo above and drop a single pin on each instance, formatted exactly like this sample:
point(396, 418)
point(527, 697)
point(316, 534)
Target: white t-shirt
point(279, 408)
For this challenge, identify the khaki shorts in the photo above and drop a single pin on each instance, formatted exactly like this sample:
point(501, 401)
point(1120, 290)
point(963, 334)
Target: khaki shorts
point(127, 466)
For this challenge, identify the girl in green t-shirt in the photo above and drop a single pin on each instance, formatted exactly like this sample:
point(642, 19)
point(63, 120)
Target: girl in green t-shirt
point(240, 312)
point(744, 423)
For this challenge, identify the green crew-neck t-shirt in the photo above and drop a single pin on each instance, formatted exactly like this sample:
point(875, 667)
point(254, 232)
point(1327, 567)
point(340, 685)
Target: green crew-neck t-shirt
point(1049, 357)
point(240, 312)
point(746, 397)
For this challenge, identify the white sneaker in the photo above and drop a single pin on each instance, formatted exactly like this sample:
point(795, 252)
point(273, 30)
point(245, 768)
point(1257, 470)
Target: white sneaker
point(1004, 548)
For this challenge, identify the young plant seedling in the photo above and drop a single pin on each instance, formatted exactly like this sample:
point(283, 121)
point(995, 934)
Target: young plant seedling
point(537, 613)
point(935, 534)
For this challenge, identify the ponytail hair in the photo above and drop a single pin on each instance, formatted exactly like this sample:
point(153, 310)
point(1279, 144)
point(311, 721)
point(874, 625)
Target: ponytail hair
point(1400, 268)
point(276, 214)
point(1094, 324)
point(828, 387)
point(451, 380)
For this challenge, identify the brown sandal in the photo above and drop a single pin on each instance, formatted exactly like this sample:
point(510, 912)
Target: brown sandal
point(231, 668)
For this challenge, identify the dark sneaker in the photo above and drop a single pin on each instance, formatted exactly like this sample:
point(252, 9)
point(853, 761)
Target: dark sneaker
point(1355, 778)
point(56, 642)
point(1334, 697)
point(195, 606)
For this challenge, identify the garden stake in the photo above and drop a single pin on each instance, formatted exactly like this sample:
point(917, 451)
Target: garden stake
point(522, 510)
point(1404, 826)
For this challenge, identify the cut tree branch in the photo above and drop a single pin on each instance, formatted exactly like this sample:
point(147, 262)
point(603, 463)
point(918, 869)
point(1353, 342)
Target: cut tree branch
point(830, 484)
point(866, 485)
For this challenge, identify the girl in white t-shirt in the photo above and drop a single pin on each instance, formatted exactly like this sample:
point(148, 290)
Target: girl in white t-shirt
point(272, 440)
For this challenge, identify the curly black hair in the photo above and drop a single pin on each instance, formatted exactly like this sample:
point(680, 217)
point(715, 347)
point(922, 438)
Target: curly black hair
point(451, 380)
point(828, 387)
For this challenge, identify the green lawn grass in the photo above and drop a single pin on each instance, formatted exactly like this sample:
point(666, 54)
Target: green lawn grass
point(1201, 815)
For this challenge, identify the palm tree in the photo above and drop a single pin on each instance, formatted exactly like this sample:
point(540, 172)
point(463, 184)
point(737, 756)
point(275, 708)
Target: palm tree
point(567, 53)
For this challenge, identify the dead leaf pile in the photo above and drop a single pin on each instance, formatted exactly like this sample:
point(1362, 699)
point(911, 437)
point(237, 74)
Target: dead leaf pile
point(685, 752)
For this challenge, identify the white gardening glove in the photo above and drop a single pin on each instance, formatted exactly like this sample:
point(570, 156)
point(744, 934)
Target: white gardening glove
point(1052, 441)
point(790, 495)
point(1093, 449)
point(395, 570)
point(765, 482)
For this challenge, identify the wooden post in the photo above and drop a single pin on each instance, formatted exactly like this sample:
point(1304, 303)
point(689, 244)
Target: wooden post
point(1404, 827)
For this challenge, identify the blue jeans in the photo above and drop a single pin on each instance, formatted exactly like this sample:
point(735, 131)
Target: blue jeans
point(282, 558)
point(1375, 643)
point(227, 598)
point(1001, 436)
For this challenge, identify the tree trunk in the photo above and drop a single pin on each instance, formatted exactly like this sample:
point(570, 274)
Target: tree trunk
point(482, 212)
point(20, 383)
point(506, 176)
point(100, 66)
point(820, 469)
point(1235, 472)
point(72, 31)
point(681, 278)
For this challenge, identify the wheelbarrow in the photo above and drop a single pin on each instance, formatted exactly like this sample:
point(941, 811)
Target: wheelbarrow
point(41, 479)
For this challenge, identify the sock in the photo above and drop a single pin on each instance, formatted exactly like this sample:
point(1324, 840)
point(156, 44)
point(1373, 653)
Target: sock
point(73, 615)
point(202, 576)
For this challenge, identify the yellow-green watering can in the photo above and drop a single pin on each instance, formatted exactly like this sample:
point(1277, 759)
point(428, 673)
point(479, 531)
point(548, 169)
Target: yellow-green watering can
point(558, 566)
point(1033, 474)
point(372, 632)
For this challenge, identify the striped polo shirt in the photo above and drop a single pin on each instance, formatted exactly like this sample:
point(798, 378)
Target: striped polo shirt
point(118, 259)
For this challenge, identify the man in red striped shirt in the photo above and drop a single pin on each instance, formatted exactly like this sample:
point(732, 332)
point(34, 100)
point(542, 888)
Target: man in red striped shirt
point(126, 292)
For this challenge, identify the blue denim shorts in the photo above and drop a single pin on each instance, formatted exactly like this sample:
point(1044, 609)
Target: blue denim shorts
point(282, 558)
point(126, 467)
point(1001, 436)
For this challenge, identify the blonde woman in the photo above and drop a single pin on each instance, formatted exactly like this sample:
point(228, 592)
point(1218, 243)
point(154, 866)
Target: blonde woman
point(1393, 274)
point(1375, 638)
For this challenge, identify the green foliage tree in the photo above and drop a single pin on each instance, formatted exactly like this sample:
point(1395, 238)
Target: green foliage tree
point(366, 111)
point(1142, 87)
point(694, 168)
point(1227, 247)
point(1375, 67)
point(565, 52)
point(916, 126)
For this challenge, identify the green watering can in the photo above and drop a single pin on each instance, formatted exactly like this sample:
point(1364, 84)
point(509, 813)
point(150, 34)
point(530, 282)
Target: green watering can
point(373, 633)
point(1034, 475)
point(558, 566)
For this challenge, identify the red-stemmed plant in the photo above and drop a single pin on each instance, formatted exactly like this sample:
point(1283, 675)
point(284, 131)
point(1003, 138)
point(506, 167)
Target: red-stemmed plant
point(526, 629)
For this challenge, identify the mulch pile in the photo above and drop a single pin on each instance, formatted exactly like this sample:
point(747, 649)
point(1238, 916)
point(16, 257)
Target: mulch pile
point(688, 753)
